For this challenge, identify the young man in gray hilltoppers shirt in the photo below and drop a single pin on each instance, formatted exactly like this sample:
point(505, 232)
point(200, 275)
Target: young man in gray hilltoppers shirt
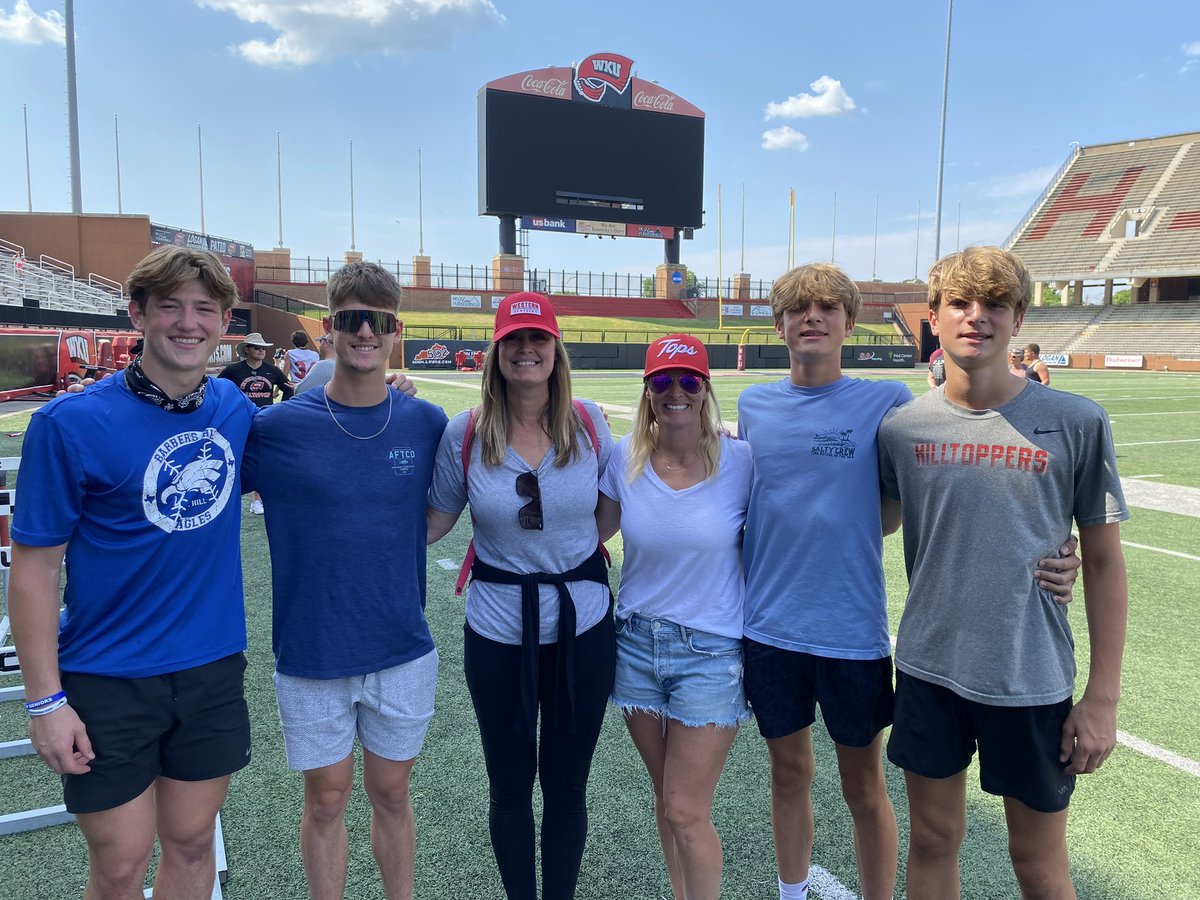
point(984, 656)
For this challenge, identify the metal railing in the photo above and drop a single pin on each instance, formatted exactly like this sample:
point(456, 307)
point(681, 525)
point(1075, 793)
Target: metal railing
point(1029, 213)
point(290, 304)
point(560, 282)
point(483, 333)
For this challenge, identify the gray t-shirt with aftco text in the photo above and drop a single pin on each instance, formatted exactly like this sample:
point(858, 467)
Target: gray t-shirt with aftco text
point(985, 494)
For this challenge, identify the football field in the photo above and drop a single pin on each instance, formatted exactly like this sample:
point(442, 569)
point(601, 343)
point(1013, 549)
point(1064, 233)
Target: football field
point(1135, 825)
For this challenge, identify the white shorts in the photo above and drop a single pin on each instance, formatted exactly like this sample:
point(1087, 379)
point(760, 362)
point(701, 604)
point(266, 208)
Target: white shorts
point(388, 710)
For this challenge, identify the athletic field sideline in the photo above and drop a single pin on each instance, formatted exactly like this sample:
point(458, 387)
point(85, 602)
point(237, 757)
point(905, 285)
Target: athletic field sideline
point(1133, 832)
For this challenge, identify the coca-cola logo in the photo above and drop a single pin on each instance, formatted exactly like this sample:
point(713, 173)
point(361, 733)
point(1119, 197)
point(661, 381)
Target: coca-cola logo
point(662, 101)
point(670, 349)
point(601, 71)
point(550, 87)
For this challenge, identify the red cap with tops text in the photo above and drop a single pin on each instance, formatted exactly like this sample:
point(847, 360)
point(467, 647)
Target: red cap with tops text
point(525, 310)
point(677, 351)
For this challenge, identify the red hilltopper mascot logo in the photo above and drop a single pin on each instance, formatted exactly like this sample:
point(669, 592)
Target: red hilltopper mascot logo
point(602, 71)
point(435, 352)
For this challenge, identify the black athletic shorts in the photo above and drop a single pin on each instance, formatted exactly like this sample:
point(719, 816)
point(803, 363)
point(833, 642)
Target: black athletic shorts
point(936, 732)
point(190, 725)
point(785, 686)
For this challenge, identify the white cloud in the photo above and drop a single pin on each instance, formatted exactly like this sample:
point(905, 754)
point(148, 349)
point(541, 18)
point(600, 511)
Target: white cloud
point(1019, 184)
point(828, 98)
point(1192, 51)
point(784, 138)
point(24, 26)
point(312, 31)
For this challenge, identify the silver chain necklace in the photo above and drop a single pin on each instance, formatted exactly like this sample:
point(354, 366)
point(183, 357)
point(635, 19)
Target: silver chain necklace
point(352, 434)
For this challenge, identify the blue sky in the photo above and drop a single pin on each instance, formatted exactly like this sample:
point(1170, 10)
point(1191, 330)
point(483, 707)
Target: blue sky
point(821, 97)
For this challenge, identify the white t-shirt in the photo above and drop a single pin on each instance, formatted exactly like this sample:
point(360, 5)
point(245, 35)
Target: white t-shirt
point(300, 361)
point(683, 549)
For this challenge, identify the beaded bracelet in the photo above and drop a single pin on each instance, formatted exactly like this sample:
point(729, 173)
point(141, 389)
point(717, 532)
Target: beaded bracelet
point(47, 704)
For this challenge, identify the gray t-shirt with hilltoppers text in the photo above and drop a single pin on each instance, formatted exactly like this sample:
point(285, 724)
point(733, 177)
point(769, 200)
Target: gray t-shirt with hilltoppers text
point(985, 495)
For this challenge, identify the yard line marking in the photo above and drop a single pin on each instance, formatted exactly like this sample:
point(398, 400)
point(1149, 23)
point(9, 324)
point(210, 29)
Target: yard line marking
point(1177, 412)
point(448, 564)
point(1161, 550)
point(826, 885)
point(1145, 476)
point(1172, 498)
point(1148, 443)
point(1135, 743)
point(1146, 748)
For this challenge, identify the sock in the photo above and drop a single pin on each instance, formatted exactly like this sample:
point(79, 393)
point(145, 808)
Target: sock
point(793, 891)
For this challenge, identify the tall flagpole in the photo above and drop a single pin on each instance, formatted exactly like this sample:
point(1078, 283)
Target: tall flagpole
point(720, 300)
point(420, 207)
point(352, 247)
point(937, 229)
point(833, 241)
point(28, 178)
point(117, 143)
point(875, 239)
point(279, 184)
point(791, 254)
point(200, 147)
point(73, 110)
point(742, 260)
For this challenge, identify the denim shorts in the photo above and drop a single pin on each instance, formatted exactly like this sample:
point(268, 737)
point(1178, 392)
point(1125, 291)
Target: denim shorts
point(691, 676)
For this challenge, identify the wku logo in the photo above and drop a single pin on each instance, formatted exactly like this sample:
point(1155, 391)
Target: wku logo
point(602, 71)
point(437, 351)
point(79, 349)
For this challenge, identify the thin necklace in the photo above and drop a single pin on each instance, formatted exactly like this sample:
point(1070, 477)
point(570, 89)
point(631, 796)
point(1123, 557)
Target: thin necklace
point(352, 434)
point(683, 465)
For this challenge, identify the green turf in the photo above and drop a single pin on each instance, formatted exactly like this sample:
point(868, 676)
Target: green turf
point(1133, 833)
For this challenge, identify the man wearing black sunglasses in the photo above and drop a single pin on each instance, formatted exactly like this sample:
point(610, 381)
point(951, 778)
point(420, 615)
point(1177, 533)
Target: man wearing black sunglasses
point(353, 656)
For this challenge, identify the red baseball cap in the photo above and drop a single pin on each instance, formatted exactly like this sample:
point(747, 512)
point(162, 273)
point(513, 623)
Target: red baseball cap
point(525, 310)
point(677, 351)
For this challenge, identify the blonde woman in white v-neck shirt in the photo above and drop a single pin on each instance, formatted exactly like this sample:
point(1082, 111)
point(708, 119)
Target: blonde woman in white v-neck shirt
point(678, 488)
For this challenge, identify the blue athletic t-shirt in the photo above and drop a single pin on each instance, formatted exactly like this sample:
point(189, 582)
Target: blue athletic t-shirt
point(814, 547)
point(358, 608)
point(149, 505)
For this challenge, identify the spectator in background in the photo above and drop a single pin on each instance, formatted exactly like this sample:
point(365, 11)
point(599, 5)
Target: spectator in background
point(1018, 368)
point(1033, 362)
point(322, 370)
point(301, 358)
point(258, 380)
point(937, 369)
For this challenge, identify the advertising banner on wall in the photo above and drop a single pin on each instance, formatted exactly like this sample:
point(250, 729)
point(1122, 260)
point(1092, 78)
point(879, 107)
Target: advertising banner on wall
point(732, 309)
point(588, 226)
point(665, 232)
point(466, 301)
point(1124, 361)
point(444, 356)
point(1056, 359)
point(760, 311)
point(546, 223)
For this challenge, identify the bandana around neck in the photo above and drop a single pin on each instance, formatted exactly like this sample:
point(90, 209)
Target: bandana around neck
point(147, 390)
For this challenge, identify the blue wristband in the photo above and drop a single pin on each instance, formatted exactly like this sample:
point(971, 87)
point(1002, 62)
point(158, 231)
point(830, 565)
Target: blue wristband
point(33, 707)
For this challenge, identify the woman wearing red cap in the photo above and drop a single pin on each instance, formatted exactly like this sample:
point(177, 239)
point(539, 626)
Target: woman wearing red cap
point(678, 486)
point(539, 631)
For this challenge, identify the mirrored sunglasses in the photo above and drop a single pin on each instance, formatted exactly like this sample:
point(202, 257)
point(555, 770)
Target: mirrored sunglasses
point(350, 320)
point(660, 384)
point(529, 516)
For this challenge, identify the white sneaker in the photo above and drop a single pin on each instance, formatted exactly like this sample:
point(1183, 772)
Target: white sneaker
point(256, 507)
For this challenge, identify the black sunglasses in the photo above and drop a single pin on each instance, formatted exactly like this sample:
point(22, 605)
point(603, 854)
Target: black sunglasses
point(350, 320)
point(530, 515)
point(660, 384)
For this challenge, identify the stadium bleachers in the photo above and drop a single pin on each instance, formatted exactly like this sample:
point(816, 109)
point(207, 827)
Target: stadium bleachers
point(1054, 329)
point(1171, 329)
point(1080, 227)
point(52, 284)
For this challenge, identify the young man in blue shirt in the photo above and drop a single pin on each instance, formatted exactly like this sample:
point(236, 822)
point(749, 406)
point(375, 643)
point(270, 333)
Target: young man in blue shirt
point(137, 700)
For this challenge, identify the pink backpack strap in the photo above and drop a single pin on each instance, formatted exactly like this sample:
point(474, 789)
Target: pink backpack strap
point(465, 572)
point(591, 430)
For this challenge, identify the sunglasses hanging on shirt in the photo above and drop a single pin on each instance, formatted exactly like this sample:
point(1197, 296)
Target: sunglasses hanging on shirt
point(529, 516)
